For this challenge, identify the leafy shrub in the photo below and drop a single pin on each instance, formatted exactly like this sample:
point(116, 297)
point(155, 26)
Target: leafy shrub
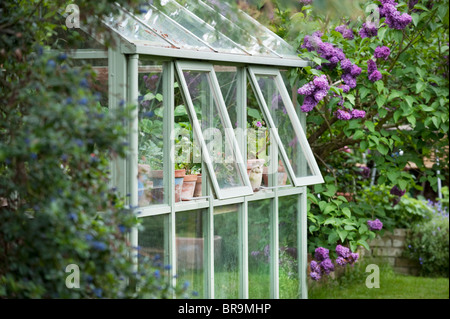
point(392, 210)
point(428, 244)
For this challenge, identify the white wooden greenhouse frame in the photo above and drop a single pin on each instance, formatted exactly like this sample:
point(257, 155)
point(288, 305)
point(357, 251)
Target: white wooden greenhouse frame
point(178, 38)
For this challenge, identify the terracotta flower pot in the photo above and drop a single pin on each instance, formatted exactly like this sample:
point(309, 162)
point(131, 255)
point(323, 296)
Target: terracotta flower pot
point(281, 176)
point(179, 177)
point(187, 191)
point(198, 186)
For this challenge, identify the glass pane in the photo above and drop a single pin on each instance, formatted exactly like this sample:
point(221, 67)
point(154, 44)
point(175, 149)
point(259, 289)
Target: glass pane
point(225, 26)
point(287, 231)
point(258, 141)
point(187, 150)
point(283, 123)
point(198, 27)
point(226, 76)
point(253, 27)
point(133, 30)
point(226, 252)
point(171, 31)
point(259, 249)
point(150, 152)
point(189, 250)
point(153, 239)
point(218, 137)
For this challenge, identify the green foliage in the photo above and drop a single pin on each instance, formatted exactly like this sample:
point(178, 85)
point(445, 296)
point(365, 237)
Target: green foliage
point(57, 142)
point(377, 202)
point(428, 244)
point(332, 221)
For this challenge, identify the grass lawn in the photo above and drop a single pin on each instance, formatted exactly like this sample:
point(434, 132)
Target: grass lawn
point(392, 286)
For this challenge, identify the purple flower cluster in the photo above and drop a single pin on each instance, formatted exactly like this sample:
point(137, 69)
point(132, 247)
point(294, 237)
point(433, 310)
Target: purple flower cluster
point(350, 72)
point(394, 19)
point(375, 224)
point(382, 53)
point(368, 30)
point(314, 92)
point(372, 71)
point(345, 115)
point(346, 32)
point(306, 1)
point(324, 49)
point(345, 256)
point(322, 264)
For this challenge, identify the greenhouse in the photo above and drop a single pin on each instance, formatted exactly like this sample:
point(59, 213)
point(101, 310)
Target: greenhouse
point(219, 159)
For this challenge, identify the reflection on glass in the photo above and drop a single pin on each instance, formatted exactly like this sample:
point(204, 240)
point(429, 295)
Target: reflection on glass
point(266, 37)
point(189, 250)
point(284, 125)
point(170, 30)
point(133, 30)
point(153, 239)
point(221, 24)
point(287, 231)
point(150, 152)
point(198, 27)
point(259, 249)
point(218, 137)
point(226, 252)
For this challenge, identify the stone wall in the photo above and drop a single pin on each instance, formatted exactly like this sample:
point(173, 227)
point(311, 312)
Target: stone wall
point(389, 248)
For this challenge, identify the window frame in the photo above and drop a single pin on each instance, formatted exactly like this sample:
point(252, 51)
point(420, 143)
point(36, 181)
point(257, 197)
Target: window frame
point(316, 178)
point(181, 66)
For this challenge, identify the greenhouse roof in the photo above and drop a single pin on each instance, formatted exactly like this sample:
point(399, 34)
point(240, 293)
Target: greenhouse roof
point(204, 30)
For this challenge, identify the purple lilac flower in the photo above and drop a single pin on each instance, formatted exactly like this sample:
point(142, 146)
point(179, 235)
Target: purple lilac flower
point(358, 114)
point(259, 124)
point(306, 1)
point(346, 32)
point(394, 19)
point(342, 114)
point(382, 52)
point(396, 191)
point(327, 266)
point(315, 267)
point(372, 71)
point(375, 76)
point(375, 224)
point(314, 92)
point(350, 72)
point(345, 88)
point(353, 258)
point(342, 251)
point(349, 80)
point(368, 30)
point(308, 103)
point(324, 49)
point(315, 276)
point(321, 253)
point(341, 261)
